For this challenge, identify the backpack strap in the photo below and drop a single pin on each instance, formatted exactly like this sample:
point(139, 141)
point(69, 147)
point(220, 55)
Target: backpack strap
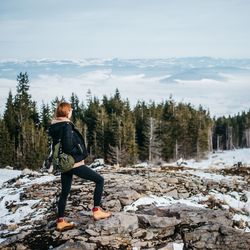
point(60, 141)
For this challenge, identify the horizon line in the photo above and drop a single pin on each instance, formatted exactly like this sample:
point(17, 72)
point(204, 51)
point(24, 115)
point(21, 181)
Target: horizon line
point(119, 58)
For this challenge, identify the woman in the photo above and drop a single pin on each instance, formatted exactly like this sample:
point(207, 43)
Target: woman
point(73, 144)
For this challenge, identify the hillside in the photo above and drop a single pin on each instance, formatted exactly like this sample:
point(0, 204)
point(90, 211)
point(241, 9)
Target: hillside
point(154, 207)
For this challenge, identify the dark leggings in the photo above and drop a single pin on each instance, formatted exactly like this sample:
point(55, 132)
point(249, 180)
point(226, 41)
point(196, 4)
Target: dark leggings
point(85, 173)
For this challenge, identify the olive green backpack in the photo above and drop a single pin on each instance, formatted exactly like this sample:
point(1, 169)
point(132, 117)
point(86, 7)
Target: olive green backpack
point(64, 162)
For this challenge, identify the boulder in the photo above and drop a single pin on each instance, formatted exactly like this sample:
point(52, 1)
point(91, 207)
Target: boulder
point(127, 197)
point(118, 223)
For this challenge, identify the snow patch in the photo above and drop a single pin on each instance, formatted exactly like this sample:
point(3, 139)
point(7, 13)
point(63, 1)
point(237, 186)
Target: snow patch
point(18, 210)
point(6, 174)
point(162, 201)
point(217, 160)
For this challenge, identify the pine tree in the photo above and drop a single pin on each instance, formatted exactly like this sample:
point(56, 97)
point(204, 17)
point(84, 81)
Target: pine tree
point(7, 149)
point(9, 116)
point(142, 130)
point(23, 104)
point(46, 116)
point(23, 113)
point(90, 119)
point(54, 104)
point(127, 138)
point(77, 114)
point(101, 128)
point(169, 135)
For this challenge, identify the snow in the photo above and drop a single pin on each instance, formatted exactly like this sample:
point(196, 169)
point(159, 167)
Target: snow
point(11, 195)
point(214, 161)
point(6, 174)
point(40, 180)
point(175, 246)
point(178, 246)
point(142, 164)
point(212, 176)
point(25, 209)
point(232, 200)
point(217, 160)
point(162, 201)
point(239, 217)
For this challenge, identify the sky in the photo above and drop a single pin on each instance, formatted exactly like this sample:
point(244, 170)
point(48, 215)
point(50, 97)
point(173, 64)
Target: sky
point(78, 29)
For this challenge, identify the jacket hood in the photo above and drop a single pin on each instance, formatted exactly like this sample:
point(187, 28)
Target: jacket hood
point(60, 119)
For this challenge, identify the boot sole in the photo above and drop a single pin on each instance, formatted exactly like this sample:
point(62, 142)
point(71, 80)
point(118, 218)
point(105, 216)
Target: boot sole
point(96, 219)
point(65, 228)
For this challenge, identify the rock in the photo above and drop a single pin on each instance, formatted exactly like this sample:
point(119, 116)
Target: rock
point(3, 227)
point(171, 181)
point(244, 198)
point(216, 237)
point(12, 239)
point(91, 232)
point(173, 193)
point(104, 240)
point(71, 234)
point(76, 246)
point(183, 195)
point(21, 247)
point(194, 215)
point(118, 223)
point(27, 171)
point(136, 244)
point(77, 187)
point(12, 227)
point(153, 221)
point(113, 205)
point(114, 241)
point(127, 197)
point(150, 227)
point(81, 238)
point(139, 233)
point(149, 235)
point(240, 224)
point(9, 167)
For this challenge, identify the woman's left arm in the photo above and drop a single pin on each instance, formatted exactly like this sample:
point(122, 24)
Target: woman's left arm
point(67, 139)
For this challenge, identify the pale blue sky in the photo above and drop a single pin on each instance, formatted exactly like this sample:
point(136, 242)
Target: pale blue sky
point(124, 28)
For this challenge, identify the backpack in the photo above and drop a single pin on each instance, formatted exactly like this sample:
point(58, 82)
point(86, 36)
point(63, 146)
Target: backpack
point(61, 162)
point(64, 162)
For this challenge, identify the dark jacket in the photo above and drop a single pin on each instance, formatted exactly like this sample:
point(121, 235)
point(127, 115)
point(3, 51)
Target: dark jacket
point(72, 140)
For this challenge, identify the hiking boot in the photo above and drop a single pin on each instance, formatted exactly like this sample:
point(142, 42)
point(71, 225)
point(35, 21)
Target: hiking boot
point(99, 214)
point(63, 225)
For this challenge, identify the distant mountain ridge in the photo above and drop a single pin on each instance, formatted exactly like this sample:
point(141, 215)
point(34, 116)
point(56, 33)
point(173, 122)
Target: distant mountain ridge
point(170, 69)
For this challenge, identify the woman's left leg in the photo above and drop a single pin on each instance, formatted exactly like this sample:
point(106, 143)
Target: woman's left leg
point(89, 174)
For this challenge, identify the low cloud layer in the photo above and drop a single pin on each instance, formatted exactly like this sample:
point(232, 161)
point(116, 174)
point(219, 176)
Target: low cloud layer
point(226, 97)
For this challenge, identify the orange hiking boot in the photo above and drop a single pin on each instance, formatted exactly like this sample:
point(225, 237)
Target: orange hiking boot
point(63, 225)
point(99, 214)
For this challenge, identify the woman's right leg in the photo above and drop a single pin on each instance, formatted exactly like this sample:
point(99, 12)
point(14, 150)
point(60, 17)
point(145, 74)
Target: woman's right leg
point(66, 180)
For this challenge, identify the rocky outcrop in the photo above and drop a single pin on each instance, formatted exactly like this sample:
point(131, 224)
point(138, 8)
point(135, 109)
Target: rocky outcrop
point(207, 223)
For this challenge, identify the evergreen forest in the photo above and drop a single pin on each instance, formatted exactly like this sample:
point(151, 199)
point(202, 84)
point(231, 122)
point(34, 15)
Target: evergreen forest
point(115, 131)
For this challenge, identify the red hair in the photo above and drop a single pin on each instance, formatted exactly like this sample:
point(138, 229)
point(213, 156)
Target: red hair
point(63, 109)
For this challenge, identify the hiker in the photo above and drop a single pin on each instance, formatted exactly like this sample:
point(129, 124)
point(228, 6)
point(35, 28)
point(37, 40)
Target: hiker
point(73, 144)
